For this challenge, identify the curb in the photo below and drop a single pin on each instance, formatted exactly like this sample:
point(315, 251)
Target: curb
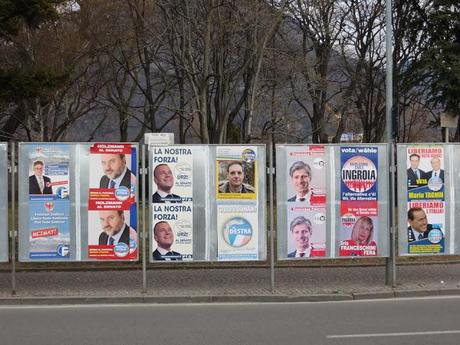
point(77, 300)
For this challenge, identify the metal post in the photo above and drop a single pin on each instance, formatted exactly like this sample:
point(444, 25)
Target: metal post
point(390, 272)
point(144, 235)
point(272, 230)
point(13, 218)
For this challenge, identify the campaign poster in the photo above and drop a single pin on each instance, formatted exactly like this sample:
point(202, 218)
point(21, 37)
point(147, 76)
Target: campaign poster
point(172, 232)
point(172, 173)
point(359, 201)
point(237, 227)
point(426, 200)
point(49, 205)
point(236, 172)
point(112, 207)
point(426, 229)
point(359, 174)
point(425, 173)
point(306, 232)
point(49, 172)
point(359, 233)
point(306, 169)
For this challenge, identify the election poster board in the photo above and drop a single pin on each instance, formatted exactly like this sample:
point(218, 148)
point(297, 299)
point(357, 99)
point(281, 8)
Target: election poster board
point(172, 203)
point(306, 213)
point(112, 202)
point(358, 201)
point(49, 205)
point(426, 203)
point(4, 201)
point(237, 210)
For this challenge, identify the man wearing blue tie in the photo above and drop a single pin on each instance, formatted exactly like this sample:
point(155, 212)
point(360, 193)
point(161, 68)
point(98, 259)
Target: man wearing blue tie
point(415, 176)
point(419, 228)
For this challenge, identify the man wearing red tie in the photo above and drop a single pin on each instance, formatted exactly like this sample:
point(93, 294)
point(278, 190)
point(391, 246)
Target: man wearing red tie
point(39, 183)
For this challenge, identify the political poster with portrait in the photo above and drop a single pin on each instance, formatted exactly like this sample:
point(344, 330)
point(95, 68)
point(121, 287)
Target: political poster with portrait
point(112, 207)
point(306, 169)
point(359, 233)
point(426, 200)
point(172, 172)
point(359, 201)
point(49, 205)
point(172, 232)
point(426, 227)
point(236, 172)
point(306, 229)
point(425, 173)
point(237, 232)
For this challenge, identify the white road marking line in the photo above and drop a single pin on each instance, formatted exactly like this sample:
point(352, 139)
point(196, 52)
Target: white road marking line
point(400, 334)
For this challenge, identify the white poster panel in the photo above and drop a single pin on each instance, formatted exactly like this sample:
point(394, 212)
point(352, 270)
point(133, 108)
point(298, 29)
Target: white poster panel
point(172, 232)
point(237, 227)
point(49, 205)
point(4, 201)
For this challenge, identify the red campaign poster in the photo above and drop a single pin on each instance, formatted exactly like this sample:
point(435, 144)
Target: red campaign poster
point(112, 207)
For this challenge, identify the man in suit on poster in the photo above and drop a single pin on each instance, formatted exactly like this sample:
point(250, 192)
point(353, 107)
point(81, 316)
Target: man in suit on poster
point(436, 171)
point(39, 183)
point(164, 179)
point(116, 172)
point(115, 229)
point(300, 173)
point(164, 236)
point(301, 231)
point(415, 176)
point(419, 228)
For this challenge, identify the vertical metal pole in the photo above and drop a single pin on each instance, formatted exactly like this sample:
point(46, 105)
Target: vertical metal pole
point(390, 272)
point(144, 235)
point(272, 230)
point(13, 218)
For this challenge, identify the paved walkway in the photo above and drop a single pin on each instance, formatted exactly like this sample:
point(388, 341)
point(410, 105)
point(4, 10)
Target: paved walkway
point(217, 284)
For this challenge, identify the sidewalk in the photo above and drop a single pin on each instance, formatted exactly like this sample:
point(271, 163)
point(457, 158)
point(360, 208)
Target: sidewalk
point(228, 285)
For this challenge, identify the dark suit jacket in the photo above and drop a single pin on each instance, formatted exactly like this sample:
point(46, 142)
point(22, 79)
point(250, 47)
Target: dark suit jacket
point(295, 196)
point(103, 237)
point(292, 255)
point(413, 235)
point(175, 257)
point(156, 198)
point(34, 188)
point(429, 173)
point(126, 181)
point(412, 178)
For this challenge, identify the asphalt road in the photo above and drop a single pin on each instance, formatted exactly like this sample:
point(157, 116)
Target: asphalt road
point(395, 322)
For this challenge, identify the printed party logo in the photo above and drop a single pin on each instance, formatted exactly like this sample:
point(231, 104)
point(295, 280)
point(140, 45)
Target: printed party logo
point(348, 219)
point(237, 232)
point(359, 174)
point(49, 206)
point(248, 155)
